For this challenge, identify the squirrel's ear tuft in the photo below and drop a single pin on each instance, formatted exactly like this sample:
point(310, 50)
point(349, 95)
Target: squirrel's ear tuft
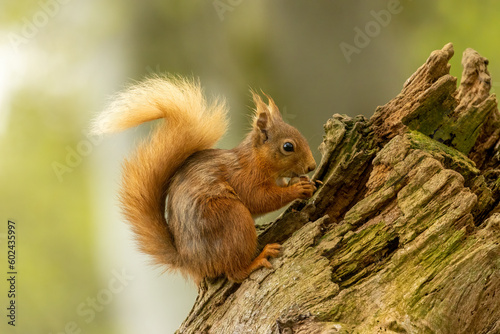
point(268, 111)
point(273, 108)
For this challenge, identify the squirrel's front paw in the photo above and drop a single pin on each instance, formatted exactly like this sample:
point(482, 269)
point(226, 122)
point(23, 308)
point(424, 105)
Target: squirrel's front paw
point(304, 187)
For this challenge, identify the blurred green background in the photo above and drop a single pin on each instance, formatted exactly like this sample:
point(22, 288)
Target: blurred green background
point(62, 59)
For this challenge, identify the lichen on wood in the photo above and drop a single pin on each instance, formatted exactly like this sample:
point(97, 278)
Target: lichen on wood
point(403, 236)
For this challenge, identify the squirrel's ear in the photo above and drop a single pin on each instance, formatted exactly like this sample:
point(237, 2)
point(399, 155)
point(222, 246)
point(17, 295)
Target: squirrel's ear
point(262, 119)
point(262, 113)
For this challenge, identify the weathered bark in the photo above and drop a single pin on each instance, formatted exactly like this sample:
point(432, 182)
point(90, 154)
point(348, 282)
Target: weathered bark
point(404, 234)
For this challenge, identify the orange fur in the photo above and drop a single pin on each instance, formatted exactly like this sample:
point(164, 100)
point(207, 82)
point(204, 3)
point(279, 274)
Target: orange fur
point(212, 194)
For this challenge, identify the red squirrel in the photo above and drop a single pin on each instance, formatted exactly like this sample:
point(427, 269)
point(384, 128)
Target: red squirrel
point(211, 195)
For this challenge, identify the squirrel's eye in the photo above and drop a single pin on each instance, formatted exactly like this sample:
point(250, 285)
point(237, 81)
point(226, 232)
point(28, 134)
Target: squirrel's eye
point(288, 147)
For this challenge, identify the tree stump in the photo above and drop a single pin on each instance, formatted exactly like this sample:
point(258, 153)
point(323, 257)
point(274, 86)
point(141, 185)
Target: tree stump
point(403, 236)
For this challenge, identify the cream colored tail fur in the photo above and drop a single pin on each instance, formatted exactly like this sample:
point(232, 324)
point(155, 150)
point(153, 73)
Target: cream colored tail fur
point(190, 125)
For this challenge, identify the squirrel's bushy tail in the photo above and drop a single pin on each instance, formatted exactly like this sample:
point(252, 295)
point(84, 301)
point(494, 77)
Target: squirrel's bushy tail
point(190, 125)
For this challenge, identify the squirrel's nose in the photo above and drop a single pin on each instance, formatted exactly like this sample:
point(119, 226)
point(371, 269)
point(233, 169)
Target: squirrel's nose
point(311, 167)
